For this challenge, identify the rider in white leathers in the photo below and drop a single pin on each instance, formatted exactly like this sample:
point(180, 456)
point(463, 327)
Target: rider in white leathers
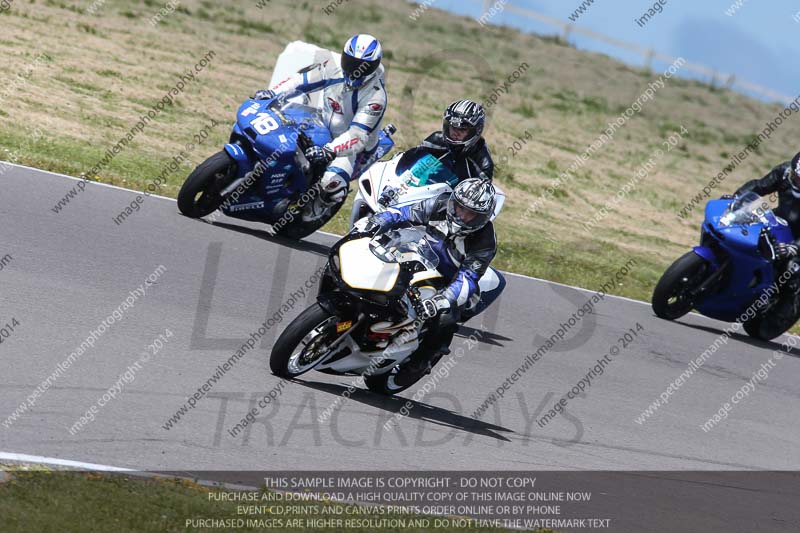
point(353, 104)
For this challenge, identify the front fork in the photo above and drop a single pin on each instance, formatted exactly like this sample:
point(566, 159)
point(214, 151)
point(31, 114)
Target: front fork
point(242, 160)
point(720, 269)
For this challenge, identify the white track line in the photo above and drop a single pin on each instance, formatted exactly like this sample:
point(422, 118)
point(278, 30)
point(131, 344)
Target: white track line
point(210, 484)
point(54, 461)
point(104, 468)
point(37, 459)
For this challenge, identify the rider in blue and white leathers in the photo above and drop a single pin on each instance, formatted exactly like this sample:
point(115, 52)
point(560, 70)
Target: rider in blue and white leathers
point(353, 104)
point(463, 237)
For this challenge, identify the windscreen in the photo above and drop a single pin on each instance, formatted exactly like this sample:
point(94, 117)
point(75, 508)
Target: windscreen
point(747, 209)
point(300, 112)
point(405, 245)
point(428, 170)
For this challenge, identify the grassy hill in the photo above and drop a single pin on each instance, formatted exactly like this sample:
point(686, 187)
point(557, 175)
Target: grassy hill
point(73, 82)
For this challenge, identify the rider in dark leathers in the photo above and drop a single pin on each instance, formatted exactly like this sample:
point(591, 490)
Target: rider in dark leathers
point(460, 142)
point(460, 147)
point(465, 243)
point(784, 180)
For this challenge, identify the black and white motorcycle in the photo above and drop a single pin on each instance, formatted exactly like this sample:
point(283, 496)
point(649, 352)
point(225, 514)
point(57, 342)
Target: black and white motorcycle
point(369, 317)
point(407, 178)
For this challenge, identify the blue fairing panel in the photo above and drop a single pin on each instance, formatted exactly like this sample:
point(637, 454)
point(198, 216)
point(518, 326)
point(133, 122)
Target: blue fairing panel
point(706, 253)
point(236, 152)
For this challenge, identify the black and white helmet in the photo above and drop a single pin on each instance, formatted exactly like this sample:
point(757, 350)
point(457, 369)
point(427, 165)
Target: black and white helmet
point(463, 114)
point(471, 206)
point(794, 177)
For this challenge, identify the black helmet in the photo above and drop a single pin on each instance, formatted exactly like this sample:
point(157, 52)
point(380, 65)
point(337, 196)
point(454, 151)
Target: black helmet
point(361, 57)
point(795, 172)
point(463, 114)
point(471, 206)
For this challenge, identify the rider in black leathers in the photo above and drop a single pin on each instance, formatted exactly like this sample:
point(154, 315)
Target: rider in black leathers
point(460, 142)
point(464, 239)
point(460, 147)
point(784, 180)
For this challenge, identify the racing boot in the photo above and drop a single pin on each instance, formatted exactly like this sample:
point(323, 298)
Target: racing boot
point(434, 346)
point(332, 190)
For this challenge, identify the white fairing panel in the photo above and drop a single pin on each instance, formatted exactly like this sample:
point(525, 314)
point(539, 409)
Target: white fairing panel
point(501, 199)
point(360, 268)
point(424, 275)
point(359, 361)
point(296, 56)
point(371, 183)
point(384, 174)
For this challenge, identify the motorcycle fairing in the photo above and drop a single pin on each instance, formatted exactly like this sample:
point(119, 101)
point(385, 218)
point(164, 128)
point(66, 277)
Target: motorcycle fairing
point(264, 134)
point(361, 269)
point(749, 274)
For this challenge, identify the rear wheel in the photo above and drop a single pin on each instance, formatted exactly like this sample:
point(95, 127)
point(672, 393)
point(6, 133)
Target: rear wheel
point(753, 326)
point(776, 321)
point(199, 196)
point(298, 229)
point(672, 296)
point(398, 379)
point(305, 343)
point(393, 382)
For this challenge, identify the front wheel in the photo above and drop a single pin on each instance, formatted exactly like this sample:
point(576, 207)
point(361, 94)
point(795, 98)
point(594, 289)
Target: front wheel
point(672, 297)
point(199, 196)
point(305, 343)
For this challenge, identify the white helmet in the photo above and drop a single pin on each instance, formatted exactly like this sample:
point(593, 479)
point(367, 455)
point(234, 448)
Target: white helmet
point(361, 58)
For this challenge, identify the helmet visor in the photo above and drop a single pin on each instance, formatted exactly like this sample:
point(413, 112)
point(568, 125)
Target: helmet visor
point(458, 131)
point(464, 216)
point(795, 170)
point(357, 70)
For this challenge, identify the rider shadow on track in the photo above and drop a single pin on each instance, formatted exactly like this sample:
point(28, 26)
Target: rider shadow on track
point(304, 246)
point(746, 339)
point(418, 411)
point(483, 336)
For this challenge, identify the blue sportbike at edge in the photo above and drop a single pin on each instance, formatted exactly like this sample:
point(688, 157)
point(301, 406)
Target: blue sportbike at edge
point(262, 173)
point(732, 275)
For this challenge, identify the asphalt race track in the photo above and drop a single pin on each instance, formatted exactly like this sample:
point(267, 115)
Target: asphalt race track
point(70, 270)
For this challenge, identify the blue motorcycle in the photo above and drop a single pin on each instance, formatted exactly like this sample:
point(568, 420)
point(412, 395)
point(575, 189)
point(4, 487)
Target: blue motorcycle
point(263, 175)
point(732, 273)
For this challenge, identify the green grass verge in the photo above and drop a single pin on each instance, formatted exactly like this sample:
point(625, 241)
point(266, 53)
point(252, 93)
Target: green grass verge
point(61, 501)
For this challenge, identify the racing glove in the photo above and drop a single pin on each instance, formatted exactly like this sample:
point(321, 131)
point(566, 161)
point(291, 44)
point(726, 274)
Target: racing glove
point(726, 197)
point(318, 155)
point(387, 196)
point(785, 251)
point(367, 225)
point(431, 307)
point(264, 94)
